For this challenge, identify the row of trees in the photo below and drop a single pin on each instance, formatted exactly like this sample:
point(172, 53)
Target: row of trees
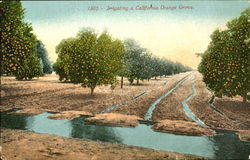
point(20, 50)
point(88, 59)
point(93, 60)
point(225, 64)
point(140, 64)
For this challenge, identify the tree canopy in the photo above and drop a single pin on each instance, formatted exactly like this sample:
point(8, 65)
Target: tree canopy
point(17, 43)
point(89, 59)
point(140, 64)
point(225, 64)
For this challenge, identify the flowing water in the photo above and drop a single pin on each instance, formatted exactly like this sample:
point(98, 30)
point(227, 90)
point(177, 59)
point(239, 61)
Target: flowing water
point(188, 111)
point(226, 145)
point(152, 107)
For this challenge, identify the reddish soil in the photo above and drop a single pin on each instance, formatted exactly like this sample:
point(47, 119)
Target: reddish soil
point(69, 115)
point(140, 105)
point(171, 107)
point(244, 135)
point(114, 119)
point(199, 106)
point(20, 145)
point(183, 128)
point(48, 94)
point(234, 108)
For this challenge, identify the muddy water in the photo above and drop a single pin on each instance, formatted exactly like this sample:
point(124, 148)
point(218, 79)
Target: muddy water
point(224, 146)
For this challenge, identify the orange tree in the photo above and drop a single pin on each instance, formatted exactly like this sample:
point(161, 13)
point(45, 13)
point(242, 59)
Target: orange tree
point(89, 59)
point(17, 43)
point(225, 64)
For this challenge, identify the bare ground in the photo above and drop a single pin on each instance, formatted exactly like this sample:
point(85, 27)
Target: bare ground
point(234, 108)
point(140, 106)
point(199, 105)
point(244, 135)
point(27, 145)
point(69, 115)
point(114, 119)
point(183, 128)
point(48, 94)
point(171, 107)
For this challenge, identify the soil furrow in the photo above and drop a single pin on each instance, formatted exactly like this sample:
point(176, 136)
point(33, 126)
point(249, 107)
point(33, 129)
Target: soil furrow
point(140, 106)
point(199, 106)
point(171, 107)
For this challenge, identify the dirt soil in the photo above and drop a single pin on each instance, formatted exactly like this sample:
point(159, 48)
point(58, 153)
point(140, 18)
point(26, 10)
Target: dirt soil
point(69, 115)
point(199, 106)
point(20, 145)
point(171, 107)
point(240, 113)
point(114, 119)
point(182, 128)
point(28, 111)
point(140, 105)
point(244, 135)
point(48, 94)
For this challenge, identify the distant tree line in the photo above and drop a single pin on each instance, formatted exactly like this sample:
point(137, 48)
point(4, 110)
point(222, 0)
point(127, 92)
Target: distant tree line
point(89, 59)
point(93, 60)
point(140, 64)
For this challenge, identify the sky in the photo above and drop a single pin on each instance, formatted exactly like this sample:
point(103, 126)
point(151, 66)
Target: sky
point(175, 30)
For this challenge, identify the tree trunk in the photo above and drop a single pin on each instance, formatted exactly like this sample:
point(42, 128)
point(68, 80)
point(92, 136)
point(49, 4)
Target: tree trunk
point(137, 81)
point(92, 90)
point(155, 77)
point(122, 82)
point(245, 98)
point(148, 79)
point(0, 93)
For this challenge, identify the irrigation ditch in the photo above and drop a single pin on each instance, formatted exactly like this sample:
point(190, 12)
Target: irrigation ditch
point(225, 145)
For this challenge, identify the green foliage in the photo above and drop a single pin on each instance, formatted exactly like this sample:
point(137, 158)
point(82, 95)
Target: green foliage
point(17, 43)
point(59, 69)
point(89, 59)
point(139, 64)
point(30, 67)
point(226, 63)
point(43, 57)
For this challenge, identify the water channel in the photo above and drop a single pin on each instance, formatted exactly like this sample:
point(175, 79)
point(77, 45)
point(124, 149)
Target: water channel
point(226, 145)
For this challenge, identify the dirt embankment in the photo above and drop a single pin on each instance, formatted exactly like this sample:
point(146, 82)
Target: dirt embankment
point(183, 128)
point(199, 105)
point(69, 115)
point(140, 106)
point(48, 94)
point(17, 144)
point(170, 107)
point(114, 119)
point(234, 108)
point(244, 135)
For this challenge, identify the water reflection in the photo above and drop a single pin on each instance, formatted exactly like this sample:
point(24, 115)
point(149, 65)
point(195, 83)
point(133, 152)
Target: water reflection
point(93, 132)
point(227, 145)
point(224, 146)
point(13, 121)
